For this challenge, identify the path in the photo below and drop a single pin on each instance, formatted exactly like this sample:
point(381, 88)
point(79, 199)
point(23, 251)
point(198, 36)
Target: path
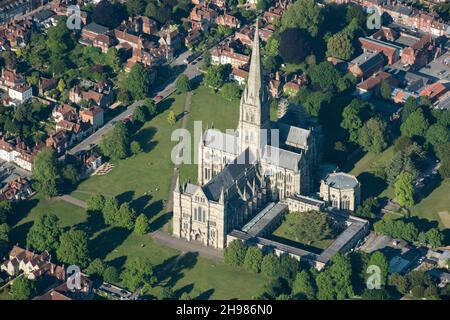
point(169, 202)
point(74, 201)
point(182, 245)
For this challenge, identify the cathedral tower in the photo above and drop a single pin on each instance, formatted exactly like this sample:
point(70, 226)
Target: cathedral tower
point(254, 119)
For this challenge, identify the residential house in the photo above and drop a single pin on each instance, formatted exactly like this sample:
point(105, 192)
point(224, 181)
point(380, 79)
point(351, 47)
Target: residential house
point(239, 75)
point(10, 79)
point(93, 115)
point(33, 265)
point(170, 39)
point(292, 87)
point(417, 55)
point(19, 94)
point(104, 42)
point(64, 112)
point(17, 189)
point(275, 85)
point(227, 55)
point(192, 37)
point(63, 292)
point(16, 34)
point(202, 17)
point(12, 8)
point(58, 141)
point(228, 20)
point(45, 18)
point(47, 84)
point(90, 32)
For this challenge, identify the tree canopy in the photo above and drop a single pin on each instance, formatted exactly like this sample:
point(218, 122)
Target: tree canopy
point(45, 233)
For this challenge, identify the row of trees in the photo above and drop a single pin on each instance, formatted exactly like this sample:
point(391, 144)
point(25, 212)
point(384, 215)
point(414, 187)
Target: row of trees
point(118, 215)
point(398, 228)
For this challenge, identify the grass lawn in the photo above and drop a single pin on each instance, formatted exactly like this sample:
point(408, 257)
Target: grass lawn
point(367, 170)
point(4, 294)
point(437, 201)
point(211, 109)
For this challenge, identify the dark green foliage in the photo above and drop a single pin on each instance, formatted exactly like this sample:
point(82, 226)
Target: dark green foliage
point(234, 253)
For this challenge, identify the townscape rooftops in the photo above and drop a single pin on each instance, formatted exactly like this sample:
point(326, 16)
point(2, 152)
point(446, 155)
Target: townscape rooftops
point(367, 60)
point(341, 180)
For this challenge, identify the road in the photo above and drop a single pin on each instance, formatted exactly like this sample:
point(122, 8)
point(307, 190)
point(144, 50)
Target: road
point(191, 71)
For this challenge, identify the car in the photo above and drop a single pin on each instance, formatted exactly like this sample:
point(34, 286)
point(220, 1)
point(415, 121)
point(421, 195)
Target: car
point(158, 98)
point(91, 145)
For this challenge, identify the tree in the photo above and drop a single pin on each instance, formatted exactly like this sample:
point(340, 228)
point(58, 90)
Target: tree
point(183, 83)
point(234, 253)
point(111, 275)
point(61, 85)
point(151, 107)
point(437, 134)
point(70, 175)
point(215, 76)
point(135, 147)
point(109, 211)
point(303, 14)
point(368, 208)
point(112, 59)
point(125, 216)
point(270, 265)
point(303, 286)
point(294, 45)
point(288, 267)
point(5, 210)
point(308, 226)
point(433, 237)
point(96, 268)
point(375, 294)
point(335, 281)
point(23, 289)
point(73, 248)
point(46, 173)
point(402, 143)
point(135, 7)
point(399, 282)
point(325, 75)
point(253, 259)
point(142, 225)
point(45, 233)
point(404, 189)
point(372, 135)
point(108, 14)
point(230, 91)
point(95, 202)
point(138, 81)
point(140, 114)
point(116, 144)
point(379, 259)
point(340, 46)
point(171, 118)
point(355, 11)
point(4, 237)
point(352, 118)
point(315, 101)
point(137, 273)
point(400, 162)
point(415, 125)
point(385, 90)
point(409, 107)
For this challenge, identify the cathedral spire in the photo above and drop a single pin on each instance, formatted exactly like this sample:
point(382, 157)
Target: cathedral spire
point(254, 82)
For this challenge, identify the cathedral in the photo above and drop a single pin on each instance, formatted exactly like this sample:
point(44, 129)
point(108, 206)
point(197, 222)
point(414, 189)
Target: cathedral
point(242, 170)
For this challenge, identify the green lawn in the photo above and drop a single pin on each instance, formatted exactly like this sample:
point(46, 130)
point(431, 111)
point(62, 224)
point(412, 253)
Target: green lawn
point(212, 110)
point(145, 181)
point(368, 170)
point(435, 202)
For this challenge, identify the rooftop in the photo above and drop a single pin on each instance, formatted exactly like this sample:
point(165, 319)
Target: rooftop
point(341, 180)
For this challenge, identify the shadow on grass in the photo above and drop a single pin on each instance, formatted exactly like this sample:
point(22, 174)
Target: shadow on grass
point(164, 105)
point(21, 210)
point(126, 196)
point(140, 205)
point(118, 262)
point(205, 295)
point(93, 223)
point(171, 270)
point(145, 138)
point(159, 222)
point(107, 241)
point(428, 188)
point(422, 224)
point(372, 186)
point(186, 289)
point(19, 233)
